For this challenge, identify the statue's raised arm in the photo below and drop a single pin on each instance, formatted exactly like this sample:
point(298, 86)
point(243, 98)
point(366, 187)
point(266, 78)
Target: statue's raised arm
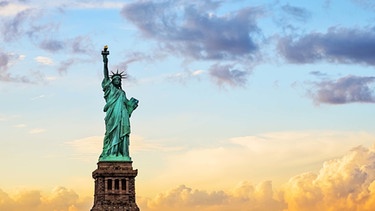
point(105, 53)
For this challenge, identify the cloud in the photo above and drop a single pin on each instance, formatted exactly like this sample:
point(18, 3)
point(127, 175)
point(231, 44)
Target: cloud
point(196, 31)
point(64, 65)
point(228, 74)
point(275, 156)
point(297, 13)
point(348, 89)
point(343, 183)
point(52, 45)
point(60, 199)
point(95, 5)
point(37, 130)
point(8, 8)
point(20, 126)
point(338, 45)
point(183, 77)
point(243, 197)
point(346, 183)
point(15, 27)
point(6, 61)
point(76, 45)
point(366, 4)
point(44, 60)
point(88, 148)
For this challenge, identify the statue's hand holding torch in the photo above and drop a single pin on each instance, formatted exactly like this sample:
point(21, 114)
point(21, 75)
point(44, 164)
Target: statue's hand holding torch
point(105, 53)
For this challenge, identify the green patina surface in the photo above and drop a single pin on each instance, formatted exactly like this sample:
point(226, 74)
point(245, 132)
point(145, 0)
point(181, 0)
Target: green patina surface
point(118, 110)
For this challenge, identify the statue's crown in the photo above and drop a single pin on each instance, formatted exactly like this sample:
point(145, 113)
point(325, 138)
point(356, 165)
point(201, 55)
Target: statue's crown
point(117, 74)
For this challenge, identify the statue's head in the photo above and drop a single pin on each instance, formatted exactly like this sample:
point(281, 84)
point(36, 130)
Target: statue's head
point(116, 81)
point(116, 78)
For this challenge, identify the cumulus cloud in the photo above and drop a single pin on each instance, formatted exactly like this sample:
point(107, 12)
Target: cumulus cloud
point(275, 156)
point(345, 183)
point(340, 45)
point(348, 89)
point(60, 199)
point(243, 197)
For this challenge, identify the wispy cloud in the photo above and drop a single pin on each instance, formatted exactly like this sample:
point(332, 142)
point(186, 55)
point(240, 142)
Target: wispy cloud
point(11, 8)
point(19, 25)
point(44, 60)
point(37, 130)
point(90, 5)
point(88, 148)
point(298, 13)
point(340, 45)
point(6, 61)
point(185, 76)
point(348, 89)
point(20, 126)
point(228, 74)
point(194, 30)
point(279, 153)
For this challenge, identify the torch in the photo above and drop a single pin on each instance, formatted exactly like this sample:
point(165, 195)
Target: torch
point(105, 51)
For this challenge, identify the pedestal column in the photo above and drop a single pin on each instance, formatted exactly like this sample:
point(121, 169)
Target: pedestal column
point(114, 186)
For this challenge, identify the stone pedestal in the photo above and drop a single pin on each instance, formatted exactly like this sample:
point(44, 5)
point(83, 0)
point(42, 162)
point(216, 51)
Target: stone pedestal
point(114, 186)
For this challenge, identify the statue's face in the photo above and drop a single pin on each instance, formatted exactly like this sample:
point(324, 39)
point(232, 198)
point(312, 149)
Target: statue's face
point(116, 81)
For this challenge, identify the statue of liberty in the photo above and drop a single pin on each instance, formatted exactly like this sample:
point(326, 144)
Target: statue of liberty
point(118, 111)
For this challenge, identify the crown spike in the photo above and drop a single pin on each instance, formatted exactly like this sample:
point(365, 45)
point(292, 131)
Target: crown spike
point(117, 74)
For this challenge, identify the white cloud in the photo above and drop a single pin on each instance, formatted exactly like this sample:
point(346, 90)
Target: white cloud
point(87, 145)
point(20, 125)
point(44, 60)
point(101, 5)
point(197, 72)
point(89, 148)
point(275, 156)
point(59, 199)
point(38, 97)
point(51, 78)
point(11, 9)
point(345, 183)
point(243, 197)
point(37, 130)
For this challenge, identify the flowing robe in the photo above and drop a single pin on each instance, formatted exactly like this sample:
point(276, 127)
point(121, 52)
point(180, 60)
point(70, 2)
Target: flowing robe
point(118, 110)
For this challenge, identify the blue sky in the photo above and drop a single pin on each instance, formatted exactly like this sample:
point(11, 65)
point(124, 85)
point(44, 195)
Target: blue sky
point(231, 92)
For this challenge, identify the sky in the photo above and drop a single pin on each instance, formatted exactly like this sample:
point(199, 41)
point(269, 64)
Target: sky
point(243, 104)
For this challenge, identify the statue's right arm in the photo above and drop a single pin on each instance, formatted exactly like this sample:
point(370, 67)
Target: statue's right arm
point(105, 69)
